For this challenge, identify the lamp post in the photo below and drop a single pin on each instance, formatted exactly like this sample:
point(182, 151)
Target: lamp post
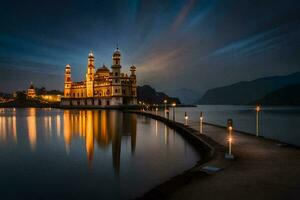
point(174, 105)
point(229, 155)
point(156, 109)
point(201, 122)
point(165, 102)
point(257, 119)
point(168, 113)
point(186, 118)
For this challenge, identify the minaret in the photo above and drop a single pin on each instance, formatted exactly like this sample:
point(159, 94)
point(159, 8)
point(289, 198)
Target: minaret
point(90, 75)
point(68, 82)
point(133, 82)
point(116, 71)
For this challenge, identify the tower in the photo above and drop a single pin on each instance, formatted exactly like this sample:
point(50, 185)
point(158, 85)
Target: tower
point(133, 89)
point(116, 73)
point(68, 81)
point(90, 75)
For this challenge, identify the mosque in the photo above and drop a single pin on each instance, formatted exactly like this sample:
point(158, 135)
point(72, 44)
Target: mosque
point(101, 87)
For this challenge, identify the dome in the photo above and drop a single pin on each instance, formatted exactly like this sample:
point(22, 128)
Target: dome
point(68, 66)
point(132, 67)
point(117, 53)
point(102, 69)
point(91, 54)
point(31, 86)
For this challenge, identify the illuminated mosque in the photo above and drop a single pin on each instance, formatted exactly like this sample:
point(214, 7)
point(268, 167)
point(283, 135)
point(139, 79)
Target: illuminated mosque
point(101, 87)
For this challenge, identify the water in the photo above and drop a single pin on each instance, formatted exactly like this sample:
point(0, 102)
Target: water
point(280, 123)
point(54, 154)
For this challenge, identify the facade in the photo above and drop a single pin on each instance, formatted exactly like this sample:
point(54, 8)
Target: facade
point(101, 87)
point(46, 97)
point(31, 92)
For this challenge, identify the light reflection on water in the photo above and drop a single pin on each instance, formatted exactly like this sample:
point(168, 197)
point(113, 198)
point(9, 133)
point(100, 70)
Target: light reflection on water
point(86, 153)
point(280, 123)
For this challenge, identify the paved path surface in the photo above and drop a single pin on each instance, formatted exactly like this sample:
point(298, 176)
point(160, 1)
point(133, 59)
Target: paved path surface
point(262, 170)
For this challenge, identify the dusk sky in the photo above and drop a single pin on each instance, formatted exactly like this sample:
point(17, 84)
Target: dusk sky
point(175, 44)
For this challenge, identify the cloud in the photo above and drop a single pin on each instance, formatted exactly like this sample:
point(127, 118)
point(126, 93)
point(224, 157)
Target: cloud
point(258, 43)
point(182, 15)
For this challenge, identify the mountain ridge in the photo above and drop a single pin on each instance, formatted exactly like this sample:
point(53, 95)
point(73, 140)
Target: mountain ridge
point(246, 92)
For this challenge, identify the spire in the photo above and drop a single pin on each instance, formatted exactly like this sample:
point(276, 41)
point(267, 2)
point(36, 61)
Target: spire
point(91, 54)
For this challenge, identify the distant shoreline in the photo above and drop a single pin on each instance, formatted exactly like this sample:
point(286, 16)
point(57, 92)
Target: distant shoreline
point(38, 104)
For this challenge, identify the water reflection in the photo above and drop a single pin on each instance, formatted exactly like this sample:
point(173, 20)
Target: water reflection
point(91, 146)
point(101, 129)
point(8, 128)
point(31, 124)
point(58, 125)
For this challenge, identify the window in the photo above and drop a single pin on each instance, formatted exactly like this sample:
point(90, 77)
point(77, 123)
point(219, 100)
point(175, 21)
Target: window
point(116, 74)
point(107, 103)
point(116, 90)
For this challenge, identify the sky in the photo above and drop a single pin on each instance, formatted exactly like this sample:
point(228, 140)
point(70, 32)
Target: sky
point(176, 45)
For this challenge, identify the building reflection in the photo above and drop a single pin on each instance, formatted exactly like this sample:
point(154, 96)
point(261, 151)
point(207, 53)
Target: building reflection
point(31, 125)
point(8, 127)
point(102, 129)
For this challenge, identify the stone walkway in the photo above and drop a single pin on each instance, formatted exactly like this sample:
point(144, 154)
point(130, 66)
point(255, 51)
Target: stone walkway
point(263, 169)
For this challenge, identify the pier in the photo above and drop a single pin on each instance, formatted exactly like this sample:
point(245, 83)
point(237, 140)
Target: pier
point(262, 168)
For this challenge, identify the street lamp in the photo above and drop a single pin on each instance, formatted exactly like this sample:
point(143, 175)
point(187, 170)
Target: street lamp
point(257, 120)
point(201, 122)
point(229, 155)
point(186, 118)
point(165, 102)
point(174, 105)
point(156, 109)
point(168, 113)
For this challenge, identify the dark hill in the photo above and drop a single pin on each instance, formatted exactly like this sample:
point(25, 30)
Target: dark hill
point(248, 91)
point(149, 95)
point(289, 95)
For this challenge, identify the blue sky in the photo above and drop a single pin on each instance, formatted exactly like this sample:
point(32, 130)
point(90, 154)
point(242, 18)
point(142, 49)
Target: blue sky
point(175, 44)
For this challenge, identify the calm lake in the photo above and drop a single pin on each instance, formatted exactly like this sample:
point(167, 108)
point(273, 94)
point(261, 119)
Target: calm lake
point(80, 154)
point(280, 123)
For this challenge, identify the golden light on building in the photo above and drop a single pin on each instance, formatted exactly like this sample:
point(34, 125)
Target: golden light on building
point(102, 87)
point(31, 91)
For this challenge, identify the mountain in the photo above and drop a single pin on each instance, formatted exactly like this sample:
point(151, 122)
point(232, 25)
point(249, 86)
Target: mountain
point(187, 96)
point(149, 95)
point(289, 95)
point(246, 92)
